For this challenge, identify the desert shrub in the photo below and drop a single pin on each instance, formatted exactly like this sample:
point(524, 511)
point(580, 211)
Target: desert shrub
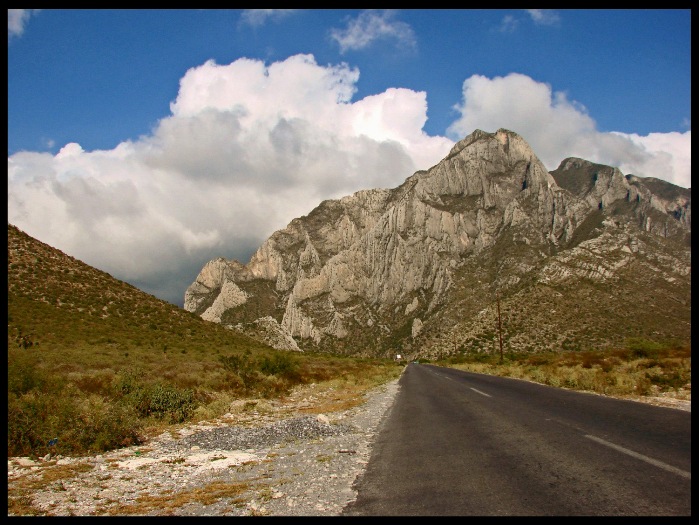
point(643, 348)
point(674, 379)
point(217, 406)
point(570, 380)
point(26, 372)
point(607, 365)
point(538, 375)
point(242, 366)
point(589, 359)
point(280, 364)
point(159, 400)
point(170, 403)
point(516, 371)
point(81, 425)
point(239, 364)
point(552, 379)
point(32, 419)
point(95, 382)
point(642, 386)
point(626, 384)
point(100, 425)
point(271, 386)
point(538, 359)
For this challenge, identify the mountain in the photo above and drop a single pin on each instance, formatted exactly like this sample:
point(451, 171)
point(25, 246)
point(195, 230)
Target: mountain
point(578, 258)
point(57, 302)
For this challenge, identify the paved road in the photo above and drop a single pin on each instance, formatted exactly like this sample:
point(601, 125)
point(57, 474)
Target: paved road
point(458, 443)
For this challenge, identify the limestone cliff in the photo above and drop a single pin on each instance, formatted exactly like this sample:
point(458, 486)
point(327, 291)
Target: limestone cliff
point(382, 270)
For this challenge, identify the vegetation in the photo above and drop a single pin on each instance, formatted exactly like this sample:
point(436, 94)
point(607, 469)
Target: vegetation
point(638, 368)
point(96, 364)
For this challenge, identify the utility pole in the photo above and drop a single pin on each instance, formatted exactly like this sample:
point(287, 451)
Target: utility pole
point(497, 296)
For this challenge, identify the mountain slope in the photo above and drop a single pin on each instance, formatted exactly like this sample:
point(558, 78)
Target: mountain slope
point(415, 269)
point(94, 363)
point(57, 301)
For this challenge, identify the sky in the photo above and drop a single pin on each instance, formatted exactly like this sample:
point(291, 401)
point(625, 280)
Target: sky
point(149, 142)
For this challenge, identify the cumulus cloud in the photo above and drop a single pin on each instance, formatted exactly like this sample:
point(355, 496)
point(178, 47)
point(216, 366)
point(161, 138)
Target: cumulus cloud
point(247, 147)
point(259, 17)
point(370, 26)
point(666, 156)
point(17, 20)
point(556, 128)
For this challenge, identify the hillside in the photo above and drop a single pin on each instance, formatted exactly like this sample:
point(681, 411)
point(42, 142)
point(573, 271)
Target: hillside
point(99, 364)
point(55, 301)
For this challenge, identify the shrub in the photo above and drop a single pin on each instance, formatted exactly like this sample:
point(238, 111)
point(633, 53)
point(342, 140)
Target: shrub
point(280, 364)
point(270, 386)
point(642, 348)
point(158, 400)
point(101, 425)
point(81, 425)
point(674, 380)
point(167, 402)
point(31, 421)
point(24, 373)
point(239, 364)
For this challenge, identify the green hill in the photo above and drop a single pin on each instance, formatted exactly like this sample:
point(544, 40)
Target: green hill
point(96, 362)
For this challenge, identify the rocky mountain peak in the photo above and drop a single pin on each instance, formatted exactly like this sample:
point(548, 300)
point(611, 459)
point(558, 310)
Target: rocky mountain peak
point(376, 268)
point(660, 206)
point(502, 135)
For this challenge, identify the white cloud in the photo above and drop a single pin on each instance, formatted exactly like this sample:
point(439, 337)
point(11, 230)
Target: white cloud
point(370, 26)
point(667, 156)
point(556, 128)
point(250, 146)
point(247, 148)
point(545, 17)
point(540, 17)
point(509, 24)
point(259, 17)
point(17, 19)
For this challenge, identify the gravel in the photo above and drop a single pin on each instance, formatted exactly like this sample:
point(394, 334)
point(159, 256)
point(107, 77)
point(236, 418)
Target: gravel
point(275, 461)
point(290, 430)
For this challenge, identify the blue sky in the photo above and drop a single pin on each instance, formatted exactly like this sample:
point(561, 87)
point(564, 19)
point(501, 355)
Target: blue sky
point(147, 142)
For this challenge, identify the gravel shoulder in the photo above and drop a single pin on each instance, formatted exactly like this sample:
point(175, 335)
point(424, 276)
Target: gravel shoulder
point(267, 458)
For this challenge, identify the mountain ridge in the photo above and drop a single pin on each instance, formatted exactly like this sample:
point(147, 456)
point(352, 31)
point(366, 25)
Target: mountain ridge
point(369, 273)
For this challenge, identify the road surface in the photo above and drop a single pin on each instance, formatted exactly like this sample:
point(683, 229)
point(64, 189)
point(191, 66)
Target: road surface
point(459, 443)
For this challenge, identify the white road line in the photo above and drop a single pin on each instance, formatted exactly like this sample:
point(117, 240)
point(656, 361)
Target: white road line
point(477, 391)
point(481, 393)
point(636, 455)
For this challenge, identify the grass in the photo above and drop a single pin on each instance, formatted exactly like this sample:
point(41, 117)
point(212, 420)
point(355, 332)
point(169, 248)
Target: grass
point(19, 500)
point(101, 365)
point(638, 368)
point(167, 503)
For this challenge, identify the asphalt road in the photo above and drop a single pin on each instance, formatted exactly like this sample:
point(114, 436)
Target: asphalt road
point(459, 443)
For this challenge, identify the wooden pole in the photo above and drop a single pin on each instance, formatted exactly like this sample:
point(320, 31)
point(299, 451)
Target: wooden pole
point(497, 296)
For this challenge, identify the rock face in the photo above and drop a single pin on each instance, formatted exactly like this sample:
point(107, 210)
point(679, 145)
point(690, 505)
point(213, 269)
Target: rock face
point(267, 330)
point(415, 268)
